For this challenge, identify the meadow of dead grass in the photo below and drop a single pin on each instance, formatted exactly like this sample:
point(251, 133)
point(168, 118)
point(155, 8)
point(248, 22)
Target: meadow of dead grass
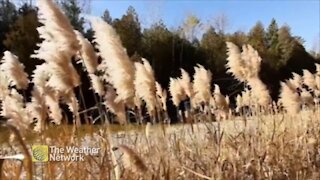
point(277, 146)
point(259, 139)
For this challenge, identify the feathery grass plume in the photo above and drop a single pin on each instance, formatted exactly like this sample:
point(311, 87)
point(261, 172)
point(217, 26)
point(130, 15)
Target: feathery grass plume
point(13, 109)
point(245, 66)
point(14, 71)
point(145, 85)
point(63, 77)
point(162, 96)
point(58, 47)
point(306, 98)
point(176, 91)
point(116, 62)
point(97, 84)
point(37, 109)
point(235, 64)
point(137, 102)
point(186, 83)
point(117, 108)
point(87, 53)
point(239, 102)
point(289, 98)
point(309, 79)
point(4, 89)
point(40, 77)
point(296, 80)
point(247, 98)
point(90, 61)
point(148, 131)
point(56, 28)
point(220, 101)
point(201, 85)
point(131, 160)
point(260, 92)
point(52, 101)
point(71, 100)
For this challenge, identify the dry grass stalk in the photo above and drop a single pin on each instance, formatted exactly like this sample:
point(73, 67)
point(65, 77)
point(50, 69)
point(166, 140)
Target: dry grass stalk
point(131, 160)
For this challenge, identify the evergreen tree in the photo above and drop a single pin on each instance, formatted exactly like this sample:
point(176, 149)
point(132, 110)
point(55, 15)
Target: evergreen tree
point(272, 34)
point(239, 38)
point(286, 44)
point(23, 37)
point(272, 45)
point(214, 46)
point(73, 11)
point(158, 48)
point(256, 38)
point(129, 30)
point(8, 14)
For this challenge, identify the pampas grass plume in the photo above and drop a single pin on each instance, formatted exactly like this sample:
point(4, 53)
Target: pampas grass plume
point(88, 54)
point(145, 86)
point(309, 79)
point(14, 71)
point(201, 85)
point(97, 84)
point(186, 83)
point(176, 91)
point(289, 98)
point(116, 62)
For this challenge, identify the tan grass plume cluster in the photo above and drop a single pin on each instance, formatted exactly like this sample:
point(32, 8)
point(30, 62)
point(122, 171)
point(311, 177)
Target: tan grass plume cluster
point(245, 66)
point(145, 85)
point(201, 86)
point(116, 63)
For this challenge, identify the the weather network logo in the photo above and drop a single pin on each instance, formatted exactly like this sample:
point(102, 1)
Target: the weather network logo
point(40, 153)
